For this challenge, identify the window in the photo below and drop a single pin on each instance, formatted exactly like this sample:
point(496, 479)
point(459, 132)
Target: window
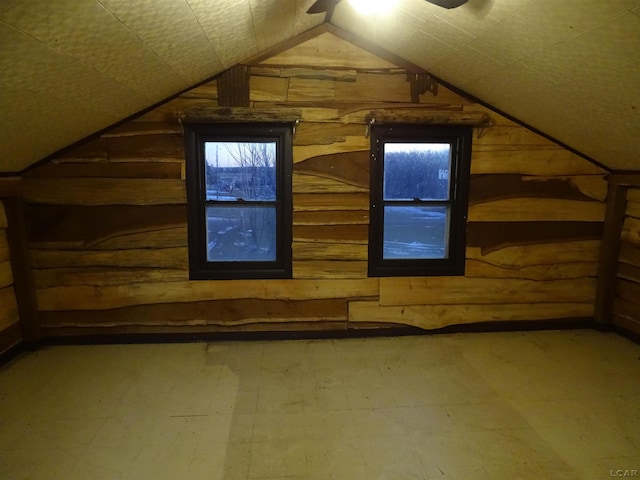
point(419, 195)
point(239, 200)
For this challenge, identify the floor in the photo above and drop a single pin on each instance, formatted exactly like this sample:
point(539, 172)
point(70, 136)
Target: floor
point(534, 405)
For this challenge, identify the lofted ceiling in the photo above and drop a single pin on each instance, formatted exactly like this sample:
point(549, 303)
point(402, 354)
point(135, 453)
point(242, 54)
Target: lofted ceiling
point(69, 68)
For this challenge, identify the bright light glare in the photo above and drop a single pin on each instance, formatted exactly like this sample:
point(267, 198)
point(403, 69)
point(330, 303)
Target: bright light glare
point(368, 7)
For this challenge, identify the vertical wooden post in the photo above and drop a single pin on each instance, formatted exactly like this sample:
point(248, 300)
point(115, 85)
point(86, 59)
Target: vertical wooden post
point(609, 254)
point(233, 87)
point(21, 267)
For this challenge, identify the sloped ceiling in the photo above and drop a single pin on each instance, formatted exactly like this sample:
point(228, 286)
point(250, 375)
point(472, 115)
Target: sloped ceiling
point(69, 68)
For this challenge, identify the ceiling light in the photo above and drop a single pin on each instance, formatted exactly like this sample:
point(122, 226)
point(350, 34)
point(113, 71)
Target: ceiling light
point(370, 7)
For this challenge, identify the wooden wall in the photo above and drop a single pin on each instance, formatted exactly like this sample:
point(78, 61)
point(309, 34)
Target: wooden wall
point(108, 233)
point(626, 308)
point(10, 332)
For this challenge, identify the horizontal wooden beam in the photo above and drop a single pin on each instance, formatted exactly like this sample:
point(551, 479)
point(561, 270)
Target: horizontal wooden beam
point(476, 119)
point(241, 114)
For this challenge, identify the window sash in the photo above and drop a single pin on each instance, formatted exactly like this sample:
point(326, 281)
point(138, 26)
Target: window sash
point(440, 251)
point(216, 244)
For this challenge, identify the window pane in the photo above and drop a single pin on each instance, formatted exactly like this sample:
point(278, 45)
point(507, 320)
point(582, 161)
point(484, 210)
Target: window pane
point(237, 234)
point(415, 232)
point(416, 170)
point(245, 170)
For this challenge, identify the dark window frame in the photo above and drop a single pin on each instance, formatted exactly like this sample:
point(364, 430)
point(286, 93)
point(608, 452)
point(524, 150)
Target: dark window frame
point(196, 135)
point(460, 139)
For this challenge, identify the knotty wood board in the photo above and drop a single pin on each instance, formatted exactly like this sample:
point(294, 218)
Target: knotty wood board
point(269, 89)
point(484, 188)
point(4, 245)
point(152, 258)
point(629, 253)
point(530, 161)
point(219, 312)
point(327, 50)
point(317, 250)
point(109, 170)
point(341, 234)
point(629, 272)
point(631, 230)
point(6, 274)
point(492, 236)
point(103, 276)
point(537, 209)
point(310, 202)
point(461, 290)
point(324, 269)
point(539, 254)
point(437, 316)
point(104, 191)
point(8, 308)
point(100, 298)
point(558, 271)
point(334, 217)
point(633, 209)
point(81, 226)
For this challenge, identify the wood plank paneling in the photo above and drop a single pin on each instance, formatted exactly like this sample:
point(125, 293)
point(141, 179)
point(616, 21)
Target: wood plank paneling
point(485, 188)
point(493, 236)
point(93, 227)
point(109, 170)
point(102, 276)
point(540, 254)
point(227, 313)
point(6, 274)
point(329, 269)
point(556, 271)
point(536, 210)
point(530, 161)
point(631, 230)
point(8, 308)
point(143, 258)
point(108, 230)
point(103, 191)
point(483, 291)
point(438, 316)
point(101, 298)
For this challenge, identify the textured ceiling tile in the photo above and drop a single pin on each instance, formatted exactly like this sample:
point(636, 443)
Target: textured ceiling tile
point(85, 30)
point(426, 54)
point(465, 66)
point(229, 27)
point(506, 82)
point(472, 18)
point(36, 67)
point(571, 17)
point(623, 84)
point(447, 33)
point(171, 30)
point(592, 126)
point(511, 40)
point(273, 21)
point(498, 9)
point(594, 52)
point(38, 126)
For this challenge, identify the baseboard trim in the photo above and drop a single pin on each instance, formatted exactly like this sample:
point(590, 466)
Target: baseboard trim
point(77, 337)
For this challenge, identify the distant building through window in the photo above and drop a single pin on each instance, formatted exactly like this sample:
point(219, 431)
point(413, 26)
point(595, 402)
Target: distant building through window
point(419, 196)
point(239, 200)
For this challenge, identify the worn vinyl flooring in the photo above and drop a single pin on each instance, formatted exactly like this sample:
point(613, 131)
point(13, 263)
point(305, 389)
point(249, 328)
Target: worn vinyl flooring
point(519, 405)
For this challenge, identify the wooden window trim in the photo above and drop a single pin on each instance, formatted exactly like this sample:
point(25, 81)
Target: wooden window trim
point(196, 135)
point(461, 139)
